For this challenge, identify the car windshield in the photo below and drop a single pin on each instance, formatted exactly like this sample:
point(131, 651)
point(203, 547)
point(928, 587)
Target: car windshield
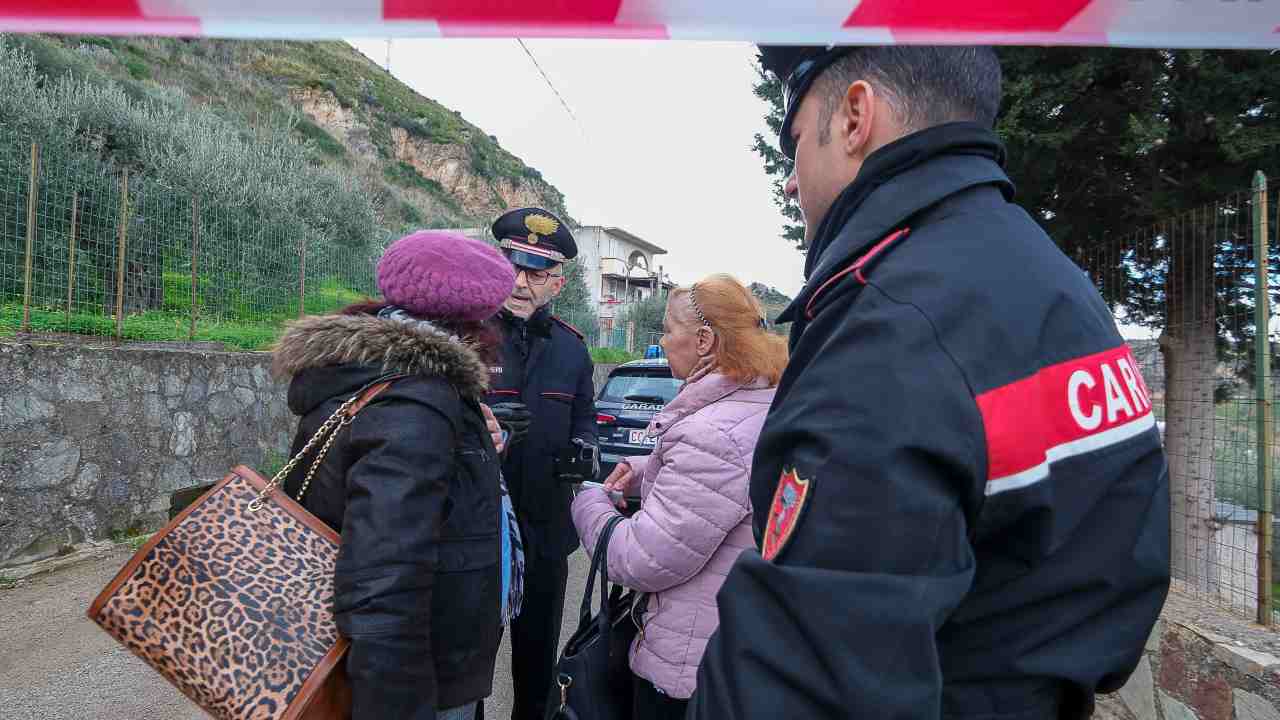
point(640, 388)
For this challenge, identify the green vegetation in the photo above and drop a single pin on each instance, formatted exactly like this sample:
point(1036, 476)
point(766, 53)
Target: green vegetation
point(214, 127)
point(773, 303)
point(7, 583)
point(612, 356)
point(253, 84)
point(272, 463)
point(405, 175)
point(241, 324)
point(1235, 459)
point(321, 140)
point(355, 81)
point(647, 315)
point(152, 326)
point(134, 538)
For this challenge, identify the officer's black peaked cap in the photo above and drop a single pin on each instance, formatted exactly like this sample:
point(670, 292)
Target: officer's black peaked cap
point(534, 238)
point(797, 66)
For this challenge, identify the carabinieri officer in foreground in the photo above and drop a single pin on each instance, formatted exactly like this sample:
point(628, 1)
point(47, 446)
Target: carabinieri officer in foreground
point(961, 501)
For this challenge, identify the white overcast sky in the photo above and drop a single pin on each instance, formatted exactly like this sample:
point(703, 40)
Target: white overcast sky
point(664, 149)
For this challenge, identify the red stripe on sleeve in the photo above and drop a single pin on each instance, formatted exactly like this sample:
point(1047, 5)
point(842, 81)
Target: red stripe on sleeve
point(1068, 409)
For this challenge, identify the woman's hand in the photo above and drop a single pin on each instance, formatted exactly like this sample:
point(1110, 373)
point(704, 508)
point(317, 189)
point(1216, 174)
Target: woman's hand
point(491, 423)
point(619, 481)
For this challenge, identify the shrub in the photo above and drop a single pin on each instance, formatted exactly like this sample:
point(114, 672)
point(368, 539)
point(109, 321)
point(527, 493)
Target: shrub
point(612, 356)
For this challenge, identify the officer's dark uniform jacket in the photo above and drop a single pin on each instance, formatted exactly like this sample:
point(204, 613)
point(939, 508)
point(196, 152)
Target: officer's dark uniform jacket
point(412, 486)
point(545, 364)
point(985, 532)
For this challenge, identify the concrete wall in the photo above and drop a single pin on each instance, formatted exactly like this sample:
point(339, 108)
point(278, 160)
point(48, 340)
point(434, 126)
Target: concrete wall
point(93, 440)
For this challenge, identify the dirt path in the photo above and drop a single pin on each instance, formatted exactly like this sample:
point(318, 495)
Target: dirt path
point(57, 665)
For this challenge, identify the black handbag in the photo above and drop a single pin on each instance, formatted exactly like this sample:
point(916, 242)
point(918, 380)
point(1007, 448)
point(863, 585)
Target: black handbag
point(593, 677)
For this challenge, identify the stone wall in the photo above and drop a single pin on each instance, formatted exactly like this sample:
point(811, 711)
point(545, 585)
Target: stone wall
point(1201, 662)
point(93, 440)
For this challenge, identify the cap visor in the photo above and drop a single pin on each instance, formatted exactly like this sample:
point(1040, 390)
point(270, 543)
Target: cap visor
point(523, 259)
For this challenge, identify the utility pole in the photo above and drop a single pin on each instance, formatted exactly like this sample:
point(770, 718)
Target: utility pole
point(387, 67)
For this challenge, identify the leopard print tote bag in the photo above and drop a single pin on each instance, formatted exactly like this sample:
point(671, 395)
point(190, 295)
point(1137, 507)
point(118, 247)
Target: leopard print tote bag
point(232, 601)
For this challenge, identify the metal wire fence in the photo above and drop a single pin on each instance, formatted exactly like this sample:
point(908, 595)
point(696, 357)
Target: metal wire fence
point(1192, 293)
point(98, 251)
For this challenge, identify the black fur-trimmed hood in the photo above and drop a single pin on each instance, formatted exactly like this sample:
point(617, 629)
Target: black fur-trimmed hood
point(391, 345)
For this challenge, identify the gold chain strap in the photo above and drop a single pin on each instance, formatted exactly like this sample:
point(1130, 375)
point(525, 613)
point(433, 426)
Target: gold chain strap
point(336, 422)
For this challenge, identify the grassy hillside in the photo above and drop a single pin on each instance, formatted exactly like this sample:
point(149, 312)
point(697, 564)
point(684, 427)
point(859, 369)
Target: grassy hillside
point(270, 83)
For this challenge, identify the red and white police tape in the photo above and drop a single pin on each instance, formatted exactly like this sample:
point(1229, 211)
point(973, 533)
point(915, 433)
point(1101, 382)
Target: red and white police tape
point(1133, 23)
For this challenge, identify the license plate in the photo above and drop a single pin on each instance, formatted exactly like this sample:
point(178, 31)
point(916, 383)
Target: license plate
point(638, 437)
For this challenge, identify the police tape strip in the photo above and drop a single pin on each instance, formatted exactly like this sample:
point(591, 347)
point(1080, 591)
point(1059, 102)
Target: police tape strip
point(1130, 23)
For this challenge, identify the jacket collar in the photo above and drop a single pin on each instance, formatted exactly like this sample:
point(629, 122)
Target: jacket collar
point(897, 182)
point(539, 322)
point(398, 347)
point(697, 395)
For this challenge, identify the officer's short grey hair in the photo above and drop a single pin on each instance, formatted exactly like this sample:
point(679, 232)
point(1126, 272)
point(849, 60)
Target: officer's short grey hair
point(925, 86)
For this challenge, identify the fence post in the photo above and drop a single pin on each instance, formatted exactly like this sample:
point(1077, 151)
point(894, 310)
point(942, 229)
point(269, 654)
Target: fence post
point(195, 253)
point(71, 254)
point(33, 191)
point(123, 239)
point(302, 276)
point(1262, 345)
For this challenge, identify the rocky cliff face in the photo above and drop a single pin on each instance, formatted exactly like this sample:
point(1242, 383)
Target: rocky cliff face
point(451, 166)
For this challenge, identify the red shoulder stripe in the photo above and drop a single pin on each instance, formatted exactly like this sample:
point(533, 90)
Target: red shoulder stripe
point(856, 268)
point(1064, 410)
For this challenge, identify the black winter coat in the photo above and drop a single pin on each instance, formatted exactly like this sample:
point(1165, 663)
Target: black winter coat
point(412, 487)
point(546, 365)
point(960, 492)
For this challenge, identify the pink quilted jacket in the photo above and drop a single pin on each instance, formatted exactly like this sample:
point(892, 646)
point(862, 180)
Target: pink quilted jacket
point(695, 519)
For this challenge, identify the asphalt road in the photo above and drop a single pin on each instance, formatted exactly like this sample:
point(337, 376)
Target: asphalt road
point(57, 665)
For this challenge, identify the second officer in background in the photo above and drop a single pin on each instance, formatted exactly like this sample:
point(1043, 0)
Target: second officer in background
point(547, 369)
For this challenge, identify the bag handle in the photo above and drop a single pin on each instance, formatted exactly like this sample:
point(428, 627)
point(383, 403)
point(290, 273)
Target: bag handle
point(599, 564)
point(605, 619)
point(338, 420)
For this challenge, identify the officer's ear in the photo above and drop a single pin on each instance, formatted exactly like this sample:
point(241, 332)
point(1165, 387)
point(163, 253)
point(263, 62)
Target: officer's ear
point(856, 118)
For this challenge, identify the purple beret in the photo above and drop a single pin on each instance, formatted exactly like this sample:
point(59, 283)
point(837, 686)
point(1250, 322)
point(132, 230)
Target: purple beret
point(443, 275)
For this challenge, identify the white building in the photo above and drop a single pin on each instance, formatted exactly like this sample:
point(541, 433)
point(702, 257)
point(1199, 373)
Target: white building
point(620, 267)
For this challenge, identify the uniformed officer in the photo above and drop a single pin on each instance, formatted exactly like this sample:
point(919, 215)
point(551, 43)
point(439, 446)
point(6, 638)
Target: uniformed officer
point(546, 376)
point(960, 497)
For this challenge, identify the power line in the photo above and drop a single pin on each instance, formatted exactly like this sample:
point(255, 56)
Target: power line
point(551, 85)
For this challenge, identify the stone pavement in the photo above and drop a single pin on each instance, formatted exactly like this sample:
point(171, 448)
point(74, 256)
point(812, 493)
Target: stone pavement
point(57, 665)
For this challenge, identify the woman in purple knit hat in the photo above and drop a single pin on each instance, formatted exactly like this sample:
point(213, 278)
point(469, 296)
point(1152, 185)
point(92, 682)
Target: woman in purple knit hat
point(429, 567)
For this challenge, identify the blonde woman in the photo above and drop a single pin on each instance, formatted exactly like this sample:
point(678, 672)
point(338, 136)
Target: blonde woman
point(695, 515)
